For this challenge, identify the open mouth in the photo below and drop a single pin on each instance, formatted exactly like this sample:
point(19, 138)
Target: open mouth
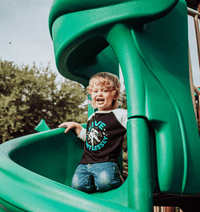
point(99, 100)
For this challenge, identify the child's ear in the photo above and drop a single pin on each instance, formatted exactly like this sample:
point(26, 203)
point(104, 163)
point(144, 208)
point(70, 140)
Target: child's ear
point(114, 94)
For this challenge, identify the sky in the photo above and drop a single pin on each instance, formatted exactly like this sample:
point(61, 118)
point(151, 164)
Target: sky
point(24, 33)
point(25, 38)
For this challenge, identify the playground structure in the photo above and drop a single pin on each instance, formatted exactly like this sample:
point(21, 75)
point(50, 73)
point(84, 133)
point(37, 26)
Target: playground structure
point(196, 98)
point(163, 140)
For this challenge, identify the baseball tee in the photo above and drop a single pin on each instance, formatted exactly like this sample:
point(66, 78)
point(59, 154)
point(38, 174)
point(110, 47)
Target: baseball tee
point(104, 135)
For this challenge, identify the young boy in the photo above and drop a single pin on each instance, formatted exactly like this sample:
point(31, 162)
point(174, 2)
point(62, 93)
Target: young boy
point(98, 169)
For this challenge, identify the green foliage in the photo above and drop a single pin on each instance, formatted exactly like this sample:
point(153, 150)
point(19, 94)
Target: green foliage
point(123, 100)
point(29, 94)
point(124, 145)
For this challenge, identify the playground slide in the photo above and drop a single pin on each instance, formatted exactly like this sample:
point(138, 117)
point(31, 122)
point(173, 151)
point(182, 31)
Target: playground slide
point(163, 141)
point(37, 173)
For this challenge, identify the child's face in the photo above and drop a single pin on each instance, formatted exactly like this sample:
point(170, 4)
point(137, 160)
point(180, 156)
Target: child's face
point(102, 97)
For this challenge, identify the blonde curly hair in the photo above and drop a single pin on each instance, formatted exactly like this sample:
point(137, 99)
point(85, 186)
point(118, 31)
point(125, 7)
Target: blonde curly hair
point(110, 81)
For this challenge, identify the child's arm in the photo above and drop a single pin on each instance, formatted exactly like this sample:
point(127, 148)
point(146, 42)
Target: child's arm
point(71, 125)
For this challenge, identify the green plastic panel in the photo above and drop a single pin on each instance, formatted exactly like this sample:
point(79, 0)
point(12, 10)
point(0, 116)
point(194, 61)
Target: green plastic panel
point(42, 126)
point(162, 92)
point(77, 43)
point(36, 173)
point(154, 61)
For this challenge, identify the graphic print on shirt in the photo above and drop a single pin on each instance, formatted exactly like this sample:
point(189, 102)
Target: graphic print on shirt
point(96, 136)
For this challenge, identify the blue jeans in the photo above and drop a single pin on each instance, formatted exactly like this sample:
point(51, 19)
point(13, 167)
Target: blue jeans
point(96, 177)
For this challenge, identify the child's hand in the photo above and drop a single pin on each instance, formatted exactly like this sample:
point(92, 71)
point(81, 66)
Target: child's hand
point(71, 125)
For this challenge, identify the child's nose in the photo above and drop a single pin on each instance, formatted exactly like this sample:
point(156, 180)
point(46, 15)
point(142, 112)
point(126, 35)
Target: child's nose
point(100, 93)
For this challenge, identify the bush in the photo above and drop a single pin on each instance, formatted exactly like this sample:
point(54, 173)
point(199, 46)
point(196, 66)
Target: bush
point(29, 94)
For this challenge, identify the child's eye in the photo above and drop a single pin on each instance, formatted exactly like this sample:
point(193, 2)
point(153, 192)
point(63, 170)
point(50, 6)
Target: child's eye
point(105, 91)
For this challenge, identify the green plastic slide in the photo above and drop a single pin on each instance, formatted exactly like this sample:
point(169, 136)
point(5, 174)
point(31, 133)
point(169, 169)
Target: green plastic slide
point(149, 40)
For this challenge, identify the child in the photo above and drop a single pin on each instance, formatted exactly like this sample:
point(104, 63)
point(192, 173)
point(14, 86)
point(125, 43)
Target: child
point(98, 169)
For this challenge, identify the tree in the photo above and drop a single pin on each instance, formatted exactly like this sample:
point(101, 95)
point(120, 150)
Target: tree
point(29, 94)
point(124, 145)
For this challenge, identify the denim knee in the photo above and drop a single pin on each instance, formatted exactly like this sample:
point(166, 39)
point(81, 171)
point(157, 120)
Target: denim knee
point(75, 182)
point(107, 178)
point(106, 184)
point(99, 176)
point(82, 180)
